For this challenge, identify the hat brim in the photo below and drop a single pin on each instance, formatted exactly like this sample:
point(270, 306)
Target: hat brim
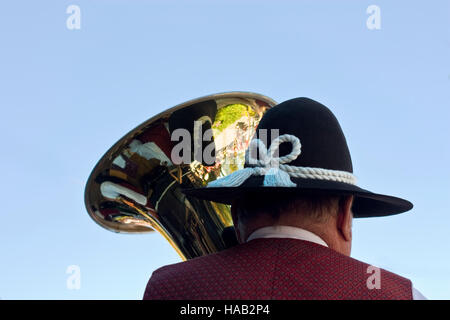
point(365, 204)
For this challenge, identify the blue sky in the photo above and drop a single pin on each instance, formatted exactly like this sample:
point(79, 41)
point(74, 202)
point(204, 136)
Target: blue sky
point(67, 95)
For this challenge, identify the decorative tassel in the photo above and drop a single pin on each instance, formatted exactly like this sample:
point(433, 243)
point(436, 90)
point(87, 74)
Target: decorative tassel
point(277, 178)
point(234, 179)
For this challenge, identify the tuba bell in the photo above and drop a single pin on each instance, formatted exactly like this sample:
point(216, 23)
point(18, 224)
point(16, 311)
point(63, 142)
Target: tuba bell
point(136, 186)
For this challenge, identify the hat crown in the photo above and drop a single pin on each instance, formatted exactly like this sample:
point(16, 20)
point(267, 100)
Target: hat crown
point(323, 144)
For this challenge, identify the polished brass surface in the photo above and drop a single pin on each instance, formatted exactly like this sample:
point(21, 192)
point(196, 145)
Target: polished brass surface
point(136, 186)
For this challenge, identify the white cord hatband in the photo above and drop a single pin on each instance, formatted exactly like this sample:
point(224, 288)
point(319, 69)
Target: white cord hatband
point(275, 170)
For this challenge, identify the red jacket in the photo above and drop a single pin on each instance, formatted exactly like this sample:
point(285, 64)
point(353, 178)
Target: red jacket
point(274, 268)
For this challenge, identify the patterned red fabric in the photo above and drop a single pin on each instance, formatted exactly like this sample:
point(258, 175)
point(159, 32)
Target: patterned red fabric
point(276, 268)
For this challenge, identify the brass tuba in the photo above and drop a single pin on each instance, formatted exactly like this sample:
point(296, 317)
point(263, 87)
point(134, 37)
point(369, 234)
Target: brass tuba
point(136, 186)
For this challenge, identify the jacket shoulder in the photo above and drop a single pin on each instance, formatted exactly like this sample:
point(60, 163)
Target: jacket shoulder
point(175, 281)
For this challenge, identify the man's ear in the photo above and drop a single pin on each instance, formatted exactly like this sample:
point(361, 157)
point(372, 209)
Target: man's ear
point(345, 217)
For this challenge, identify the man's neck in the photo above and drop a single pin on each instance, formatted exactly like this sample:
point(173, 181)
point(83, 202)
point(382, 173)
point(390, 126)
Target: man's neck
point(280, 231)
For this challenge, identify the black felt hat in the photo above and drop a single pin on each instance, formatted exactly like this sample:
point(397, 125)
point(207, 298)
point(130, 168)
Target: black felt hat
point(309, 154)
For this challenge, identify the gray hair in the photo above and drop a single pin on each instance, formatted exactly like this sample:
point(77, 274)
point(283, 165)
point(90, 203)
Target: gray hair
point(316, 207)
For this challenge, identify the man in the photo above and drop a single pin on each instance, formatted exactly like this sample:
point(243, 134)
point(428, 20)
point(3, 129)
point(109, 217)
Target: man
point(292, 208)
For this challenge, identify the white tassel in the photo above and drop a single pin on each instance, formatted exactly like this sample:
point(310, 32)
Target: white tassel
point(234, 179)
point(278, 178)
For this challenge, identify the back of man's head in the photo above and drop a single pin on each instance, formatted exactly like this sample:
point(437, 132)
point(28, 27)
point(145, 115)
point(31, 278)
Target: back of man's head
point(312, 207)
point(327, 215)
